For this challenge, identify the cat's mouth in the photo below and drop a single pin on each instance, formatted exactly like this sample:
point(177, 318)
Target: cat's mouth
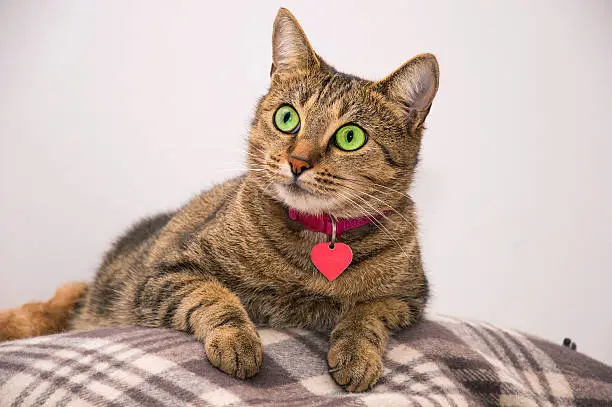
point(296, 189)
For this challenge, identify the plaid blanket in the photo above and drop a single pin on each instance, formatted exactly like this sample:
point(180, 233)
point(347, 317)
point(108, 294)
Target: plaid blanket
point(440, 362)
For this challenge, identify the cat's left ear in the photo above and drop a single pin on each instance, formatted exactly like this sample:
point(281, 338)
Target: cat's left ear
point(290, 47)
point(413, 85)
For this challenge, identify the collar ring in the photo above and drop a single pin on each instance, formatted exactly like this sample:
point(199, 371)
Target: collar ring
point(334, 223)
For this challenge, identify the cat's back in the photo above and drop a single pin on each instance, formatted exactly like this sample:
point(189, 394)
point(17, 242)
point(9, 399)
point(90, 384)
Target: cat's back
point(136, 236)
point(127, 266)
point(192, 215)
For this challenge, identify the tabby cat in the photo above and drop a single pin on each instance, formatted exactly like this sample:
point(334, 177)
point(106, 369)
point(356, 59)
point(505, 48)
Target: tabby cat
point(321, 143)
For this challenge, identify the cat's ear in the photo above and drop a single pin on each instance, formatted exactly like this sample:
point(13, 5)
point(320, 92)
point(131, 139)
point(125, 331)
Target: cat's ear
point(290, 47)
point(414, 84)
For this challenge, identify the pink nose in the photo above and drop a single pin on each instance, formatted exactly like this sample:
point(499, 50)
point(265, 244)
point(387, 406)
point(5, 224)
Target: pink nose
point(298, 165)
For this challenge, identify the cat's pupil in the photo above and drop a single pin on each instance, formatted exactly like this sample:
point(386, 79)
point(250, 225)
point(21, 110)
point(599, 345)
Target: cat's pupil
point(349, 136)
point(286, 117)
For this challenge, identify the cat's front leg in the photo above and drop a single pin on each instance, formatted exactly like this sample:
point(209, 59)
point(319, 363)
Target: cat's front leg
point(214, 315)
point(232, 344)
point(358, 342)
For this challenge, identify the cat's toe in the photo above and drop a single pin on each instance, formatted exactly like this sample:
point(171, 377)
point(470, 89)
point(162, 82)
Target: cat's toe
point(355, 367)
point(235, 351)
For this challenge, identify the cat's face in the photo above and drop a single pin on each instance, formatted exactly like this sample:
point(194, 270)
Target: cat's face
point(326, 142)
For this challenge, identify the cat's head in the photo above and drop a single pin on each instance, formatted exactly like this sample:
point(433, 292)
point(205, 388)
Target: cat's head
point(327, 142)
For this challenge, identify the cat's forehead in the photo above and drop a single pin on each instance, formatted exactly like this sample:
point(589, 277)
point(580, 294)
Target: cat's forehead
point(324, 93)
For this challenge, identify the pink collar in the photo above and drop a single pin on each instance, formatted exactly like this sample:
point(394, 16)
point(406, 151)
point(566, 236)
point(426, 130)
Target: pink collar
point(323, 224)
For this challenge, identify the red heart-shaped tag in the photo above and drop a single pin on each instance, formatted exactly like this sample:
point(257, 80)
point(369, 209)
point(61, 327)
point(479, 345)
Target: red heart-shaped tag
point(331, 262)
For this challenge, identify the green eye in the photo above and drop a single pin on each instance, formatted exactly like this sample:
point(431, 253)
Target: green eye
point(350, 137)
point(286, 119)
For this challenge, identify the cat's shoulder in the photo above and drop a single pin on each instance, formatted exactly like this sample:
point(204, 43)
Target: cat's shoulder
point(215, 195)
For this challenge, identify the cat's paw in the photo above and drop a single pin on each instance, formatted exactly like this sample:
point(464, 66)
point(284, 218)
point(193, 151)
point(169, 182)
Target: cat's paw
point(235, 351)
point(354, 364)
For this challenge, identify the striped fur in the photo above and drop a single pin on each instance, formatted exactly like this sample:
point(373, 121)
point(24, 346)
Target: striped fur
point(231, 258)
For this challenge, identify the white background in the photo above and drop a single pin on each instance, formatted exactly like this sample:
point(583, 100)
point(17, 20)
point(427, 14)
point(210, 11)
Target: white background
point(111, 110)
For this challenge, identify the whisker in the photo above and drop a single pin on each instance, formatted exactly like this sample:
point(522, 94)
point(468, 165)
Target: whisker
point(376, 220)
point(319, 188)
point(246, 165)
point(259, 161)
point(249, 164)
point(267, 186)
point(254, 156)
point(239, 170)
point(371, 206)
point(380, 200)
point(257, 148)
point(362, 210)
point(374, 183)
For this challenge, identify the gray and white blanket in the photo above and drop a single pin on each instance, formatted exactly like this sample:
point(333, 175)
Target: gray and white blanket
point(440, 362)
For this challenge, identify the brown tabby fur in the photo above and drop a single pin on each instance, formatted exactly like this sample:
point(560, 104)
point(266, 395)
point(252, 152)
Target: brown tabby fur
point(231, 258)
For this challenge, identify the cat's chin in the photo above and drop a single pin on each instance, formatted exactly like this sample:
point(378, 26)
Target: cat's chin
point(303, 200)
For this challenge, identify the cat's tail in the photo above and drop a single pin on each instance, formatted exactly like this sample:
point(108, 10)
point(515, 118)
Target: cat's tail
point(42, 318)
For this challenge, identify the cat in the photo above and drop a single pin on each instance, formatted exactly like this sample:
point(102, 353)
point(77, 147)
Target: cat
point(322, 143)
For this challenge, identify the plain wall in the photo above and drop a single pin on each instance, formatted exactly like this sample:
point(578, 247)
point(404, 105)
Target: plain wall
point(111, 110)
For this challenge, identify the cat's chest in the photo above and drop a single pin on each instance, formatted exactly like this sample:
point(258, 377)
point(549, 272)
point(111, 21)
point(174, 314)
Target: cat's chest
point(282, 291)
point(293, 307)
point(279, 286)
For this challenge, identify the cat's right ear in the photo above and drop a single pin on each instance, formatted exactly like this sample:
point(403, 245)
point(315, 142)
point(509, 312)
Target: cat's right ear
point(414, 85)
point(290, 47)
